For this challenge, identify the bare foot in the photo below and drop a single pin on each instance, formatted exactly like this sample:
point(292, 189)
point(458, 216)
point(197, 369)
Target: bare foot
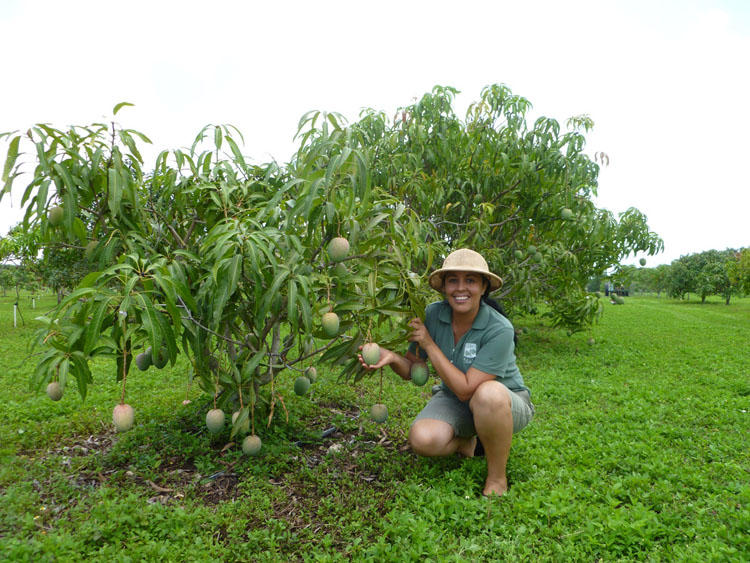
point(466, 449)
point(495, 487)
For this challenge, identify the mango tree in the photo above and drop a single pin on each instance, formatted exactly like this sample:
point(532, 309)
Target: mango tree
point(519, 194)
point(739, 271)
point(705, 273)
point(231, 264)
point(20, 263)
point(209, 256)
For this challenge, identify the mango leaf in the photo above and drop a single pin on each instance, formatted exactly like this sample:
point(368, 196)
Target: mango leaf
point(94, 327)
point(81, 367)
point(75, 296)
point(10, 161)
point(119, 106)
point(292, 301)
point(239, 158)
point(241, 419)
point(79, 230)
point(149, 317)
point(115, 186)
point(249, 367)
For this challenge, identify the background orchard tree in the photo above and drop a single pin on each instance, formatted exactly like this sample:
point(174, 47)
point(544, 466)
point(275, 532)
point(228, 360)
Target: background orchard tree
point(647, 279)
point(58, 266)
point(659, 278)
point(7, 277)
point(680, 278)
point(227, 262)
point(705, 273)
point(739, 271)
point(19, 257)
point(714, 280)
point(519, 194)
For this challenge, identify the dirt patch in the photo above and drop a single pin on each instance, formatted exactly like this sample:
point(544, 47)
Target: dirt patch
point(336, 455)
point(76, 446)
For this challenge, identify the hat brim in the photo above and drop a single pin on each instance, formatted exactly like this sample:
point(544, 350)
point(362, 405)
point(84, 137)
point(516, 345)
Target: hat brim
point(436, 278)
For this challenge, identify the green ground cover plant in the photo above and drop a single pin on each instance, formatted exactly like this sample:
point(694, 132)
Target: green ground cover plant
point(638, 452)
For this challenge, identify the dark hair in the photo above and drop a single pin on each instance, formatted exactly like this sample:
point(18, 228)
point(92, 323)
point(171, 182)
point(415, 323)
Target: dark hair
point(499, 308)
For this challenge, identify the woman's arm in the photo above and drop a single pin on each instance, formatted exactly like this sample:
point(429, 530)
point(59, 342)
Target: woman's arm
point(462, 384)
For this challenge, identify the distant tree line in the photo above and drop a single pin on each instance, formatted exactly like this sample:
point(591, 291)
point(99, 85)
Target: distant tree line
point(714, 272)
point(24, 264)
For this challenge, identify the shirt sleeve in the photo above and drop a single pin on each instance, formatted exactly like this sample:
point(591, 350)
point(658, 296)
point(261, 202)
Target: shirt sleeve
point(496, 352)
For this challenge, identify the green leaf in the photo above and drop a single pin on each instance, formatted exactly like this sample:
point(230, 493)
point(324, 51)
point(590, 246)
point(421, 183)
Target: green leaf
point(217, 137)
point(62, 373)
point(81, 367)
point(82, 382)
point(306, 315)
point(268, 300)
point(141, 136)
point(75, 296)
point(94, 328)
point(233, 272)
point(292, 301)
point(374, 221)
point(183, 291)
point(239, 158)
point(115, 186)
point(41, 197)
point(168, 290)
point(79, 230)
point(249, 367)
point(45, 368)
point(151, 324)
point(10, 160)
point(241, 419)
point(119, 106)
point(372, 285)
point(169, 335)
point(64, 173)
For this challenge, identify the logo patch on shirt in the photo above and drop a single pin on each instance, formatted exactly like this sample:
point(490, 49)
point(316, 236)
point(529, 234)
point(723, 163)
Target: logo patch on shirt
point(470, 351)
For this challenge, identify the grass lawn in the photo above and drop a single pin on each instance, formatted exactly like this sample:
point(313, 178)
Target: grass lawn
point(639, 451)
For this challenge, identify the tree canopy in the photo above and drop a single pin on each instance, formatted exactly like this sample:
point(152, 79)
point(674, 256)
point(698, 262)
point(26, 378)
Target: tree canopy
point(705, 273)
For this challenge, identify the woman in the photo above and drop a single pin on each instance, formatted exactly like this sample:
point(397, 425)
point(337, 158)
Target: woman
point(470, 343)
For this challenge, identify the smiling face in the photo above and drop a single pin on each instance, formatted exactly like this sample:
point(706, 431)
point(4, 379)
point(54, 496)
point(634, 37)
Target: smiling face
point(464, 291)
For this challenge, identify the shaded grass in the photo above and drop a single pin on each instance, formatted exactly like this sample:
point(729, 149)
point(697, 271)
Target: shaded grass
point(638, 451)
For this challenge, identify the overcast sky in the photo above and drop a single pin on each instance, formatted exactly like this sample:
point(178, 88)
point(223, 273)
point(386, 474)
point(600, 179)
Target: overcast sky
point(665, 81)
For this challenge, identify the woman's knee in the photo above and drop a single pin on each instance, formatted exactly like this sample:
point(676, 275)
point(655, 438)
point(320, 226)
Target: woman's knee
point(427, 437)
point(490, 396)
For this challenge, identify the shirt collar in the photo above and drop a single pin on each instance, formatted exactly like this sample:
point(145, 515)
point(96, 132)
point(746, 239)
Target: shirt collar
point(480, 321)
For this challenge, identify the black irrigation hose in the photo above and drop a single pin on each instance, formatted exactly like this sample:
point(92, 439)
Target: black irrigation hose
point(325, 434)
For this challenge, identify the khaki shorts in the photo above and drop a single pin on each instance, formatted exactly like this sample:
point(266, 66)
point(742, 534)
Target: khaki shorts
point(446, 407)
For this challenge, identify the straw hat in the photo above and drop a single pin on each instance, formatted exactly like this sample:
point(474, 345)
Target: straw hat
point(464, 260)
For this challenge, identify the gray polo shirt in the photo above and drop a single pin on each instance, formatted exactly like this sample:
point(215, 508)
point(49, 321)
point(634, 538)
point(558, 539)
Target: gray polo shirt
point(488, 345)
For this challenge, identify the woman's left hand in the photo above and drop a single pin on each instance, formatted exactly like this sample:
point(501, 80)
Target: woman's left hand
point(420, 335)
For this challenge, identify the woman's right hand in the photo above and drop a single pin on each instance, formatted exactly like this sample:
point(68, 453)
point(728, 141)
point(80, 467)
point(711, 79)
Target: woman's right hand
point(386, 357)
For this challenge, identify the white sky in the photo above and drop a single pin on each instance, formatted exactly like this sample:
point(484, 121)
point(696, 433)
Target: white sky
point(665, 81)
